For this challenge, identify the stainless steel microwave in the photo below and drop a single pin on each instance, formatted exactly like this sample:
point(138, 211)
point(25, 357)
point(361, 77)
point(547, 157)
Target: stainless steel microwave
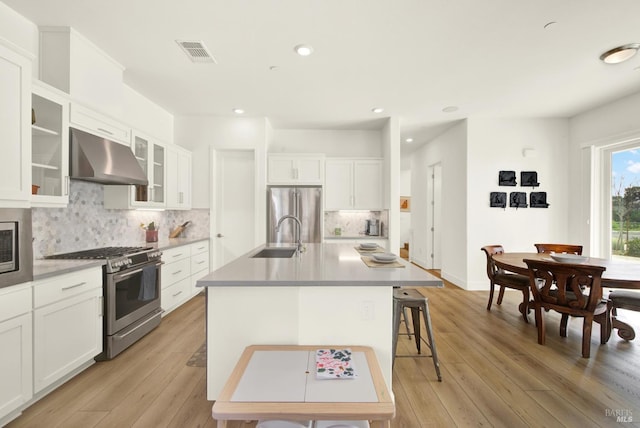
point(16, 252)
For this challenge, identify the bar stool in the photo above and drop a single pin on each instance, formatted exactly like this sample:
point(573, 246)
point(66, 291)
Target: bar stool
point(412, 299)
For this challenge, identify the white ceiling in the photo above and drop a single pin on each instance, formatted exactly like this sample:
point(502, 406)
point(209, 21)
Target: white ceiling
point(490, 58)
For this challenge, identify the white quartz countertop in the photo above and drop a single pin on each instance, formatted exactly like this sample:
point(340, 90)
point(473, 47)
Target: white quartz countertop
point(320, 265)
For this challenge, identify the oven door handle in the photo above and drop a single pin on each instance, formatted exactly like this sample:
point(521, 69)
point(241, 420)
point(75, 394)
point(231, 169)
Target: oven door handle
point(126, 274)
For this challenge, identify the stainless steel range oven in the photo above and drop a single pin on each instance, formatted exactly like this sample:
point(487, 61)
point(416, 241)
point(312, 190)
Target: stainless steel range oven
point(131, 286)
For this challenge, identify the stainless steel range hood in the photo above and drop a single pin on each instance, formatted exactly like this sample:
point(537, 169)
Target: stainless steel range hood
point(93, 158)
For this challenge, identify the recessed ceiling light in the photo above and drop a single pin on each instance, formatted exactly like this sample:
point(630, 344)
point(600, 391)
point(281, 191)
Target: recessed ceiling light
point(303, 50)
point(620, 54)
point(377, 110)
point(409, 140)
point(450, 109)
point(238, 111)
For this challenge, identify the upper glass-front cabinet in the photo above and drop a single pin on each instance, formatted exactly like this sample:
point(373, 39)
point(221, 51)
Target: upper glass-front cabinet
point(151, 157)
point(50, 146)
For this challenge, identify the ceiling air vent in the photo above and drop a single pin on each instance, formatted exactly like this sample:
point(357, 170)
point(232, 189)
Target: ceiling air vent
point(196, 51)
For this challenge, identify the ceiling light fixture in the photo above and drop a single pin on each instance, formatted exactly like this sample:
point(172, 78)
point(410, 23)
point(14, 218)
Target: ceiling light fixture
point(450, 109)
point(377, 109)
point(303, 50)
point(620, 54)
point(409, 140)
point(238, 111)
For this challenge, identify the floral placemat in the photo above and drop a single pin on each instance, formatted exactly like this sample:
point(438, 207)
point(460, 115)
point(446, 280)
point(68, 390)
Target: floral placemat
point(334, 364)
point(374, 264)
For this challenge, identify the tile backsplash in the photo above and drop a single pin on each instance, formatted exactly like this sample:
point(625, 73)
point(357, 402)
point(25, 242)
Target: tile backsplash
point(86, 224)
point(352, 223)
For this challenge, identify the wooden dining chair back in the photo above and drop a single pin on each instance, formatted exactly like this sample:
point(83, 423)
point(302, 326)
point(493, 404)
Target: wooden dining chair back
point(573, 290)
point(504, 280)
point(559, 248)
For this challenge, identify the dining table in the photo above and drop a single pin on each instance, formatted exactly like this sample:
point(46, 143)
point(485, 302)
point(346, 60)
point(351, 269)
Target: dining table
point(618, 274)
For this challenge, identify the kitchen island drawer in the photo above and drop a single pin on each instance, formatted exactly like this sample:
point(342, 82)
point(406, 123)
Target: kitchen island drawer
point(176, 271)
point(61, 287)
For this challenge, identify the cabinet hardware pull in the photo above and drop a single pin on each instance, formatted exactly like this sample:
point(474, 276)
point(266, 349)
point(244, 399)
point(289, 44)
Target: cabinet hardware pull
point(105, 131)
point(74, 286)
point(177, 255)
point(177, 294)
point(177, 272)
point(201, 262)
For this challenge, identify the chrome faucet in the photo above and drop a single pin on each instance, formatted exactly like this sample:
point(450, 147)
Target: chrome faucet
point(283, 218)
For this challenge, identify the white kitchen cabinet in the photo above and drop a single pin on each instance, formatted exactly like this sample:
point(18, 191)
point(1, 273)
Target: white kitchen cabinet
point(67, 324)
point(49, 147)
point(176, 277)
point(178, 178)
point(15, 132)
point(73, 64)
point(295, 168)
point(353, 184)
point(199, 264)
point(94, 122)
point(16, 355)
point(151, 156)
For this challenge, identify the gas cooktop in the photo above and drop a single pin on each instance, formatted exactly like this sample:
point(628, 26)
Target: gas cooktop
point(117, 258)
point(101, 253)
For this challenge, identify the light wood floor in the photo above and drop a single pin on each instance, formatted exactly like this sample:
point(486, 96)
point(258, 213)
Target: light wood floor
point(494, 374)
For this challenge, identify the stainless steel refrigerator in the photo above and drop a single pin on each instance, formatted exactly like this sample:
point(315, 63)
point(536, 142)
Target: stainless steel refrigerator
point(304, 202)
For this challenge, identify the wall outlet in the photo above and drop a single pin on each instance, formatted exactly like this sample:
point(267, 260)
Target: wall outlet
point(367, 310)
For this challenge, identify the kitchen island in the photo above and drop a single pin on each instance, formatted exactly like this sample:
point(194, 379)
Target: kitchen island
point(326, 295)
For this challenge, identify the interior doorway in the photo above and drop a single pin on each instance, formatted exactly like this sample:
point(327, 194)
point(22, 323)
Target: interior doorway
point(233, 204)
point(434, 200)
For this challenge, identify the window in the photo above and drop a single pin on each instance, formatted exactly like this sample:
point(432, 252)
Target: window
point(622, 165)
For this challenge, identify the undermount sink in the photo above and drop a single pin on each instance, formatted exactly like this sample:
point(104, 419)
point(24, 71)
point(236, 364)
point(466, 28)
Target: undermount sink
point(275, 252)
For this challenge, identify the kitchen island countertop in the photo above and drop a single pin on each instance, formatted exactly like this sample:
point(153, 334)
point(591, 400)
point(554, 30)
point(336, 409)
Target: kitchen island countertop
point(320, 265)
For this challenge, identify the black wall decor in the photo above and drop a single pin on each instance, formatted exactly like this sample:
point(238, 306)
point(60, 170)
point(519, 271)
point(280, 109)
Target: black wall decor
point(538, 200)
point(498, 199)
point(529, 179)
point(518, 200)
point(507, 178)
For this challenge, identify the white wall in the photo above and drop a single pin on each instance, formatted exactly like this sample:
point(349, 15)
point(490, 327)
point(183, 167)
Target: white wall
point(449, 149)
point(471, 155)
point(333, 143)
point(405, 217)
point(200, 134)
point(391, 155)
point(495, 145)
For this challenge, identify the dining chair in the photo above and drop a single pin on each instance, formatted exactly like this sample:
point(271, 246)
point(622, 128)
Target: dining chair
point(559, 248)
point(624, 299)
point(572, 290)
point(503, 279)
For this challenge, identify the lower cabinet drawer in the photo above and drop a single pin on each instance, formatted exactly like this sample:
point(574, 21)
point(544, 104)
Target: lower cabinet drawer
point(176, 271)
point(62, 287)
point(175, 294)
point(200, 262)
